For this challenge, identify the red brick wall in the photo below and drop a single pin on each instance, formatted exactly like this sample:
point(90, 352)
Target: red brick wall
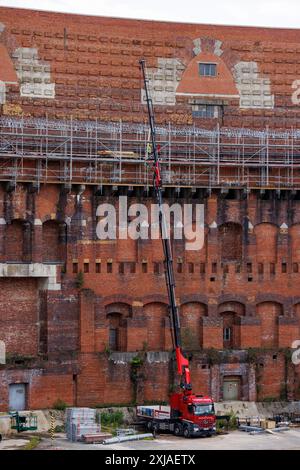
point(94, 64)
point(238, 273)
point(19, 316)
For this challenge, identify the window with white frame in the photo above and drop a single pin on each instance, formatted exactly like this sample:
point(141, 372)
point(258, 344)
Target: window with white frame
point(207, 70)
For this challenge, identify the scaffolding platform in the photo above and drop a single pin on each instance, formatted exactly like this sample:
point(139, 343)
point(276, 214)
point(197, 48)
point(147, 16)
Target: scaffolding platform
point(102, 153)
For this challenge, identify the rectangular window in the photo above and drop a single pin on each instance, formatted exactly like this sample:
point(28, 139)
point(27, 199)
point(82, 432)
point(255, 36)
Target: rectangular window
point(260, 268)
point(283, 268)
point(204, 111)
point(227, 334)
point(207, 70)
point(202, 268)
point(249, 267)
point(191, 268)
point(121, 268)
point(75, 268)
point(109, 268)
point(144, 268)
point(98, 268)
point(238, 268)
point(179, 268)
point(113, 339)
point(86, 268)
point(214, 268)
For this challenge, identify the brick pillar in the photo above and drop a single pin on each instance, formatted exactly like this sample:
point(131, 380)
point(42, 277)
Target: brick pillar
point(215, 382)
point(252, 383)
point(27, 241)
point(87, 321)
point(2, 238)
point(37, 242)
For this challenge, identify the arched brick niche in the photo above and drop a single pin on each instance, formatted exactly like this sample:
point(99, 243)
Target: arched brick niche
point(231, 312)
point(116, 319)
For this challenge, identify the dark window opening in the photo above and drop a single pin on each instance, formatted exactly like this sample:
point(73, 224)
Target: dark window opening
point(207, 70)
point(249, 267)
point(214, 268)
point(98, 268)
point(250, 279)
point(227, 334)
point(212, 279)
point(202, 268)
point(144, 268)
point(260, 268)
point(283, 268)
point(86, 267)
point(109, 268)
point(238, 268)
point(121, 268)
point(75, 268)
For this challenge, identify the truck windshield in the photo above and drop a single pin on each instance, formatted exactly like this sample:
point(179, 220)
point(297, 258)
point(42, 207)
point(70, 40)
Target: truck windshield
point(204, 409)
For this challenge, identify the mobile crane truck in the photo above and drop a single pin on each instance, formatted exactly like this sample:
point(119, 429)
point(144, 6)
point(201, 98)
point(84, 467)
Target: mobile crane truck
point(188, 414)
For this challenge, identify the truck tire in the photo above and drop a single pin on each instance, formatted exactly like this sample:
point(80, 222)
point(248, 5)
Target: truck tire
point(186, 432)
point(178, 430)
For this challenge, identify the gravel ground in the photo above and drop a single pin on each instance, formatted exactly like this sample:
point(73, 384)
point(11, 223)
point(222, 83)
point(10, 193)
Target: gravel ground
point(236, 440)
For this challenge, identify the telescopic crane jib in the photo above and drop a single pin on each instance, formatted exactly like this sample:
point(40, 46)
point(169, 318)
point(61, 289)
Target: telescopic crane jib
point(182, 361)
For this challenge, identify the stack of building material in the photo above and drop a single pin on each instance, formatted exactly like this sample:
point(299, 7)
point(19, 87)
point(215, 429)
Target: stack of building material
point(81, 422)
point(96, 438)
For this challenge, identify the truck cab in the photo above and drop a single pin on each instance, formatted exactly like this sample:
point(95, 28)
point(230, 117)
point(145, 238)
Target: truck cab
point(194, 415)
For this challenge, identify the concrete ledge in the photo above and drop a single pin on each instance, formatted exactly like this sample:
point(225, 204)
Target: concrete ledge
point(45, 272)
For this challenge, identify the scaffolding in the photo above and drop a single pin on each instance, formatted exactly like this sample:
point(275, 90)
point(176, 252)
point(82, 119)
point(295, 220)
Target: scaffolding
point(117, 153)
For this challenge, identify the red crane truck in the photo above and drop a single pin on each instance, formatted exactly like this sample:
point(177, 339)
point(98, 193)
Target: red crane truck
point(188, 414)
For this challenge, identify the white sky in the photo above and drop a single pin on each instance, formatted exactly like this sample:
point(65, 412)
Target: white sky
point(276, 13)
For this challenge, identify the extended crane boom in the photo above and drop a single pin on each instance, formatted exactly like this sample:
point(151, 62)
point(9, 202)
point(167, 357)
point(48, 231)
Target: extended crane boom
point(182, 361)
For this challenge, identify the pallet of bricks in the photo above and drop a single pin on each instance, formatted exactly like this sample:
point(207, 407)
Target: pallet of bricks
point(81, 422)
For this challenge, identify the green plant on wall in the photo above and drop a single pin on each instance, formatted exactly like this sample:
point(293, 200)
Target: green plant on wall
point(213, 356)
point(79, 281)
point(59, 405)
point(136, 364)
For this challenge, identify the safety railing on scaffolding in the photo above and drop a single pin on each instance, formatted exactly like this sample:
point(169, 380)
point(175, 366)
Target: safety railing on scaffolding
point(118, 153)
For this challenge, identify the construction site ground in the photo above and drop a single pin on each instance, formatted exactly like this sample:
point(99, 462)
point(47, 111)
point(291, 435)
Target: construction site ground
point(234, 440)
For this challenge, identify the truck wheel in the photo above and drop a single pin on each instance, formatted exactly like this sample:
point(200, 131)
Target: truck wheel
point(178, 430)
point(154, 429)
point(186, 432)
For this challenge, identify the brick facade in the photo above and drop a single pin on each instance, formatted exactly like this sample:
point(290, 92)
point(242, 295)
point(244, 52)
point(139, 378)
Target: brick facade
point(72, 336)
